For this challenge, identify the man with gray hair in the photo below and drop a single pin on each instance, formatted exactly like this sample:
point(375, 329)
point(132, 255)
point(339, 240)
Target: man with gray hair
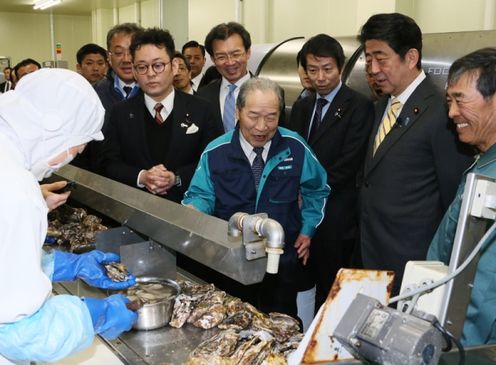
point(119, 85)
point(260, 167)
point(471, 96)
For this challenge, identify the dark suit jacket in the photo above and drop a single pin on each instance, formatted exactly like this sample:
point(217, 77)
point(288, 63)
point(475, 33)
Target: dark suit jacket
point(126, 146)
point(410, 181)
point(339, 144)
point(211, 92)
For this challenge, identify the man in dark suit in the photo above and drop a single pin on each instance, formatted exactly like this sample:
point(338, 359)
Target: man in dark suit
point(229, 47)
point(413, 163)
point(154, 141)
point(118, 85)
point(195, 55)
point(7, 84)
point(338, 133)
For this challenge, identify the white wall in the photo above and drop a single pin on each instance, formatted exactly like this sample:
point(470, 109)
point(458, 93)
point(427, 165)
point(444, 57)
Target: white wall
point(450, 16)
point(28, 36)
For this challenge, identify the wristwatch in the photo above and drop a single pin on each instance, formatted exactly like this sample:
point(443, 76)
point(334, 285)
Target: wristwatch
point(178, 182)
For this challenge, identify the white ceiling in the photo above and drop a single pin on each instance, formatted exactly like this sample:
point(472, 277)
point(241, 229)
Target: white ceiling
point(70, 7)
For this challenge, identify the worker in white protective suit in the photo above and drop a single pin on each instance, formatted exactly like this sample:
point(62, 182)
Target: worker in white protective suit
point(44, 122)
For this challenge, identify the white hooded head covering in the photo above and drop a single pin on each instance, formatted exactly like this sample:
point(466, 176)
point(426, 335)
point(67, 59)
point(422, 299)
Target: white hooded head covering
point(50, 111)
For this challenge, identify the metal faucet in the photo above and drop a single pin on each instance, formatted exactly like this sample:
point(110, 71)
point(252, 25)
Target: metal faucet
point(261, 235)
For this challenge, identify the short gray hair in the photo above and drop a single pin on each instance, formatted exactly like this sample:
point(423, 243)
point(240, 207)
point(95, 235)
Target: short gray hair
point(126, 28)
point(264, 85)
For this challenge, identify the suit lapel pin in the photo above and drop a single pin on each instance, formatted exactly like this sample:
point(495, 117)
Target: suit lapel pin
point(416, 110)
point(131, 116)
point(338, 113)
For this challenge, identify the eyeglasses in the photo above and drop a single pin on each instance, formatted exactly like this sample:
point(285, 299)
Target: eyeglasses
point(233, 56)
point(157, 67)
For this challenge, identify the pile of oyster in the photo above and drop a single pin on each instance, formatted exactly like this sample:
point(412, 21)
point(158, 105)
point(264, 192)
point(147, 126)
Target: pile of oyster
point(247, 336)
point(74, 228)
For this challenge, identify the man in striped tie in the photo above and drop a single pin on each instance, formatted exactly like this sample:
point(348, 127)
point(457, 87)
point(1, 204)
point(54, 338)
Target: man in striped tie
point(155, 139)
point(408, 182)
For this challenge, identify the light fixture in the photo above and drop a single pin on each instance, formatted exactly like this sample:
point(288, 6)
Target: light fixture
point(44, 4)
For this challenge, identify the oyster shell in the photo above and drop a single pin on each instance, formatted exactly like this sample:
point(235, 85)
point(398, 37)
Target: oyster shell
point(215, 350)
point(283, 326)
point(183, 306)
point(238, 321)
point(253, 348)
point(210, 311)
point(117, 271)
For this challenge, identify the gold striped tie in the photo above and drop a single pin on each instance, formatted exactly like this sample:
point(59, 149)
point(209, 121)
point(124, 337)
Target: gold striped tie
point(387, 123)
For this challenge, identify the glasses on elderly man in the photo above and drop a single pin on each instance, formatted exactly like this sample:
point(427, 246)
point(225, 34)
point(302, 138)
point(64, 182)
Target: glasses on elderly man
point(157, 67)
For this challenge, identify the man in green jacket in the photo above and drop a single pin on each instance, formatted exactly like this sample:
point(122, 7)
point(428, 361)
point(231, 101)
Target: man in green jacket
point(471, 96)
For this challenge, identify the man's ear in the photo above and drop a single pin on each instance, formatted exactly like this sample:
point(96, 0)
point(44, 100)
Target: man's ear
point(175, 66)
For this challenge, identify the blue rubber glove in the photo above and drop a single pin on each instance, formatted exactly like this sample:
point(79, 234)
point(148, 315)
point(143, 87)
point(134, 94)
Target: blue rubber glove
point(88, 267)
point(110, 316)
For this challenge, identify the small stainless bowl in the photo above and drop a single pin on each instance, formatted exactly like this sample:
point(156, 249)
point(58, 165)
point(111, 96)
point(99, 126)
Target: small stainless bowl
point(156, 315)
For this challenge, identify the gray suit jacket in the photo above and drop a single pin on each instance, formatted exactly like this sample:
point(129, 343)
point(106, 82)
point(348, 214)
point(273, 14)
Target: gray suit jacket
point(410, 181)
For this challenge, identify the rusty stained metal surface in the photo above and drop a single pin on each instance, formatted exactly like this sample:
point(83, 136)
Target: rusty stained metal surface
point(322, 346)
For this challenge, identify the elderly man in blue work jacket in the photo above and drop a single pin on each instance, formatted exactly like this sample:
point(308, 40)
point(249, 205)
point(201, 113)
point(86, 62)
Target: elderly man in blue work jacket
point(262, 168)
point(472, 106)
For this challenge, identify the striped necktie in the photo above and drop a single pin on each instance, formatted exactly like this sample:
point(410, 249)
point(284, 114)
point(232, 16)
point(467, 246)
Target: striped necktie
point(387, 123)
point(258, 165)
point(228, 117)
point(158, 117)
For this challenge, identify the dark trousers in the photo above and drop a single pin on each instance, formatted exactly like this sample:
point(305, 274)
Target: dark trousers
point(326, 258)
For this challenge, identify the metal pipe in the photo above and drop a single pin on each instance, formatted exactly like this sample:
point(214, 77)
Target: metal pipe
point(272, 231)
point(52, 36)
point(235, 224)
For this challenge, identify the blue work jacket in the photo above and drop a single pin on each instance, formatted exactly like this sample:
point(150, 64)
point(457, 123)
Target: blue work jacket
point(480, 324)
point(223, 183)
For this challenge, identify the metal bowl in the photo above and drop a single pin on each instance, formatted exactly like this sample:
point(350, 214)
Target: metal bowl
point(156, 315)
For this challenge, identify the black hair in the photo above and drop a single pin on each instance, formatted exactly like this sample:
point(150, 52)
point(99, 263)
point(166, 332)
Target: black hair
point(322, 45)
point(480, 64)
point(126, 28)
point(225, 30)
point(181, 56)
point(25, 62)
point(90, 48)
point(193, 44)
point(156, 36)
point(399, 31)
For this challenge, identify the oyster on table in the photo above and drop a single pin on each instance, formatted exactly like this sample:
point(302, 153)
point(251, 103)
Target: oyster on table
point(216, 350)
point(253, 348)
point(183, 306)
point(210, 311)
point(283, 326)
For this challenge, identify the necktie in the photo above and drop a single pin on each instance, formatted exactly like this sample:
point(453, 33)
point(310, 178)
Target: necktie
point(317, 117)
point(387, 123)
point(158, 117)
point(127, 90)
point(228, 118)
point(258, 165)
